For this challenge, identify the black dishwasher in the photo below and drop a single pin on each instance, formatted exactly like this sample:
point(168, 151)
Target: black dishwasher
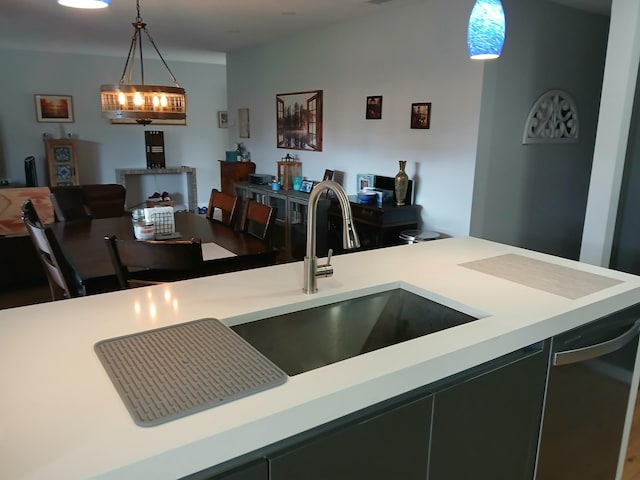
point(588, 393)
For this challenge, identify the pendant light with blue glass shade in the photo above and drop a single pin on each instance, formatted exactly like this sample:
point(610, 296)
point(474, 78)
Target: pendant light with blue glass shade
point(485, 34)
point(85, 3)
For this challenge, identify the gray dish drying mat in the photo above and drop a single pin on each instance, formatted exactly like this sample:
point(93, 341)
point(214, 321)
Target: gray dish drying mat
point(557, 279)
point(171, 372)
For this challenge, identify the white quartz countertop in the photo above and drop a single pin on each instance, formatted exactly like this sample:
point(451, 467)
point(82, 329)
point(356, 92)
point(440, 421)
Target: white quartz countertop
point(61, 417)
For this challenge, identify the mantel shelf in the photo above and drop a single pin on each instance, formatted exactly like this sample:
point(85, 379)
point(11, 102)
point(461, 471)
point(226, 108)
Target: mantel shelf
point(192, 192)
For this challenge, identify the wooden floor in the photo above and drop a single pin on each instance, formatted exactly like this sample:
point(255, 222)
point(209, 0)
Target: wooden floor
point(17, 297)
point(40, 293)
point(632, 463)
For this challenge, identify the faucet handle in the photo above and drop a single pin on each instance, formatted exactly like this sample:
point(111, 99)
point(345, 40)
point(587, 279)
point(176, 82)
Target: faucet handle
point(325, 270)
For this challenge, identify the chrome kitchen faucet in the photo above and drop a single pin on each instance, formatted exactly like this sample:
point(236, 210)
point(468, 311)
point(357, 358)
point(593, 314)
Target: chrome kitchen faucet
point(350, 238)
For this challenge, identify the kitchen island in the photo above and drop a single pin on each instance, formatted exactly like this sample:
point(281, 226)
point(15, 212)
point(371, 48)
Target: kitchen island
point(62, 417)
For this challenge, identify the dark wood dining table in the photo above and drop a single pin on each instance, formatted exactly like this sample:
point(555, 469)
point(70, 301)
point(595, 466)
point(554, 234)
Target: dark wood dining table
point(84, 245)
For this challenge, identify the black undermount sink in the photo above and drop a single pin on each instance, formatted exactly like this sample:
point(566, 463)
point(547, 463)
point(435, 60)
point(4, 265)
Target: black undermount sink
point(307, 339)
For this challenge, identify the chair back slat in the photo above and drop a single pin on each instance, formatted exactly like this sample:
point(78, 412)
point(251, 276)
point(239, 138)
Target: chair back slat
point(258, 219)
point(63, 282)
point(160, 261)
point(30, 214)
point(83, 202)
point(68, 204)
point(227, 204)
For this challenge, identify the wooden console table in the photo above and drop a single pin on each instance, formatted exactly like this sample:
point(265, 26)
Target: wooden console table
point(189, 172)
point(376, 226)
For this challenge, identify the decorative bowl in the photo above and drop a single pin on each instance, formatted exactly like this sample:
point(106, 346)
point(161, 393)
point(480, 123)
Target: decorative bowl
point(367, 197)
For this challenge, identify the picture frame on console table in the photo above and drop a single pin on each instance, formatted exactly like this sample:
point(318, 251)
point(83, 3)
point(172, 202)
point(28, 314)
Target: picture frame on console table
point(365, 180)
point(306, 186)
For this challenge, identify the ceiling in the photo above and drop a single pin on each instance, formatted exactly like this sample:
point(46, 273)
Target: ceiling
point(191, 29)
point(196, 30)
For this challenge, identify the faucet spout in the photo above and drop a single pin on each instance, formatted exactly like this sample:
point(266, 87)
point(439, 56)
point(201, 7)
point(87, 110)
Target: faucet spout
point(350, 238)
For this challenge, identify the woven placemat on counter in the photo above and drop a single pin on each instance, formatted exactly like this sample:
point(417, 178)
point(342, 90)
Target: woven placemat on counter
point(557, 279)
point(171, 372)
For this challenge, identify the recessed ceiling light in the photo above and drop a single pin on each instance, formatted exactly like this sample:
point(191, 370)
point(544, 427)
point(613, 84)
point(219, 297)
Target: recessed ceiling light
point(85, 3)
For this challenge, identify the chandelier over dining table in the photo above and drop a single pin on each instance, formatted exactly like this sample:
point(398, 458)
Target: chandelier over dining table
point(140, 102)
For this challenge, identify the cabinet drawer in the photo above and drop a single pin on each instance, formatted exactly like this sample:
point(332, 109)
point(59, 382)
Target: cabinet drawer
point(385, 216)
point(359, 212)
point(391, 445)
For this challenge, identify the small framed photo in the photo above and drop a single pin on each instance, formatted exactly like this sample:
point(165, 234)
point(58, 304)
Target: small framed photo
point(222, 119)
point(365, 180)
point(421, 115)
point(54, 108)
point(306, 186)
point(328, 175)
point(374, 108)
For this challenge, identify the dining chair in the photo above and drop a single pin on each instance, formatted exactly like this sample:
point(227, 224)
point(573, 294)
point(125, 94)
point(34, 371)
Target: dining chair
point(227, 204)
point(139, 263)
point(68, 204)
point(258, 219)
point(62, 280)
point(105, 200)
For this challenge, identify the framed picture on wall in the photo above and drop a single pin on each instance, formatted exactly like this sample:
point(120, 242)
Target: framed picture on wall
point(421, 115)
point(299, 120)
point(374, 108)
point(222, 119)
point(54, 108)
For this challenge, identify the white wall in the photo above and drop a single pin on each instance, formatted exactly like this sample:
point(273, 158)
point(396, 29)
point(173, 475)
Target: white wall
point(416, 53)
point(104, 147)
point(618, 93)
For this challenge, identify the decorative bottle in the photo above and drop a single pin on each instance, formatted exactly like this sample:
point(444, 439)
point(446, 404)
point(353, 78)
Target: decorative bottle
point(401, 183)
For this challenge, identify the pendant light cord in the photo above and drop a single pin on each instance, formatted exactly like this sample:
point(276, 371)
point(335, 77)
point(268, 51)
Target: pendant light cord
point(139, 25)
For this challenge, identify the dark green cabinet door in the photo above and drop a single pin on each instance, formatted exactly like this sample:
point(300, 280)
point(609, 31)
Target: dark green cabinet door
point(486, 425)
point(259, 471)
point(255, 470)
point(390, 445)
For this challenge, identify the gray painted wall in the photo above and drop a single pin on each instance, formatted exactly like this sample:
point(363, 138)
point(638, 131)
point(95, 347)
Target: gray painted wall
point(415, 53)
point(625, 254)
point(104, 147)
point(534, 196)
